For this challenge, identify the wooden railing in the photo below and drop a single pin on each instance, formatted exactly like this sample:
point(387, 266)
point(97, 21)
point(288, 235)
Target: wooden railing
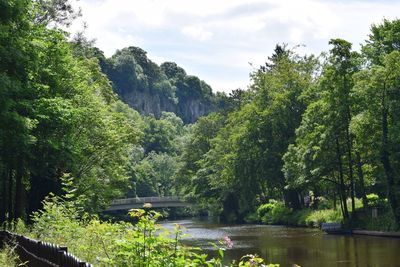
point(40, 254)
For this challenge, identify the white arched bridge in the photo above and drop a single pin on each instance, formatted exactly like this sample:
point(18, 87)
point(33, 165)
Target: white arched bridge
point(153, 202)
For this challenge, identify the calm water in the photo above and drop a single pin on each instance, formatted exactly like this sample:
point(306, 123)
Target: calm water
point(288, 246)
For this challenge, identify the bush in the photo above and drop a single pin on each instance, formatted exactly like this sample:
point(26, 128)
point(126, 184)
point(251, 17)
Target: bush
point(9, 258)
point(298, 218)
point(265, 208)
point(274, 213)
point(374, 201)
point(324, 203)
point(316, 218)
point(251, 217)
point(277, 213)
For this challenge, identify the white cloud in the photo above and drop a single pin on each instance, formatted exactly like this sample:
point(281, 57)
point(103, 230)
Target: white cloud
point(215, 40)
point(197, 32)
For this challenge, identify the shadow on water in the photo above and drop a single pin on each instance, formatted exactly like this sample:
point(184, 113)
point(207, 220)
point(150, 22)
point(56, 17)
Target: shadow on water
point(288, 246)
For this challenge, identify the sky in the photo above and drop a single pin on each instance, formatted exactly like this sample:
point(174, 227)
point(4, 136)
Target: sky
point(222, 41)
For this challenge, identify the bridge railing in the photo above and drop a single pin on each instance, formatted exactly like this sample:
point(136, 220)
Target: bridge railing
point(140, 200)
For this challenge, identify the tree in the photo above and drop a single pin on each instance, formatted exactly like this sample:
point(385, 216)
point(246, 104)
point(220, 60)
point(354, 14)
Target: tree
point(379, 88)
point(60, 108)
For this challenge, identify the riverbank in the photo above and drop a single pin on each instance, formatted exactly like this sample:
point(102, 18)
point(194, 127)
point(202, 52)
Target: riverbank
point(277, 213)
point(288, 245)
point(376, 233)
point(379, 224)
point(376, 217)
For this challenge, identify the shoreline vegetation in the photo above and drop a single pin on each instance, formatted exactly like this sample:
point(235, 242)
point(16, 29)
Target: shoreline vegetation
point(376, 219)
point(141, 242)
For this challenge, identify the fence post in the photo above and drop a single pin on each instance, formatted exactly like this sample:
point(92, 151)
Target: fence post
point(60, 254)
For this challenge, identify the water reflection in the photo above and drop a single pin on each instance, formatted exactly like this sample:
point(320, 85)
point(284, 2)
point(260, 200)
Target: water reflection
point(288, 246)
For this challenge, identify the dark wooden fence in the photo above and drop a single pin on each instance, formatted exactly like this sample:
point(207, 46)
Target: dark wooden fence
point(40, 254)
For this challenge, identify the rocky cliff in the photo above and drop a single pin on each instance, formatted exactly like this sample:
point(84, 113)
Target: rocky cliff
point(151, 89)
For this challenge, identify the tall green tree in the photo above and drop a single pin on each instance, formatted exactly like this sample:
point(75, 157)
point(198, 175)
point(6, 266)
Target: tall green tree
point(378, 87)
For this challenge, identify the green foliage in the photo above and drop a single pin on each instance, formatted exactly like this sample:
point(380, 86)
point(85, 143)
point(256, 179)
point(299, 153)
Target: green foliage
point(266, 208)
point(163, 88)
point(58, 114)
point(155, 175)
point(160, 134)
point(316, 218)
point(251, 217)
point(274, 213)
point(240, 161)
point(384, 222)
point(373, 200)
point(9, 258)
point(143, 243)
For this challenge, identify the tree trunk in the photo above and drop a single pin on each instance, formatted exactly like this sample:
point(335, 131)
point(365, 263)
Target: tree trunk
point(341, 201)
point(4, 196)
point(292, 199)
point(350, 161)
point(334, 200)
point(10, 194)
point(362, 183)
point(385, 158)
point(19, 193)
point(341, 179)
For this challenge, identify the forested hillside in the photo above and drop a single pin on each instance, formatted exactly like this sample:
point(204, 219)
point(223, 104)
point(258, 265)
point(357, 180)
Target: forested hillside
point(152, 89)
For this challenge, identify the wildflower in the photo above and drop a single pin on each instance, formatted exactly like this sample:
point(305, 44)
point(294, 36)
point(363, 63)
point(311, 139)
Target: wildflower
point(228, 242)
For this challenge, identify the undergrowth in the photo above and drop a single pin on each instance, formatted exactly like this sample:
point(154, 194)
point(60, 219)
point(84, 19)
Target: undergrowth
point(276, 213)
point(142, 243)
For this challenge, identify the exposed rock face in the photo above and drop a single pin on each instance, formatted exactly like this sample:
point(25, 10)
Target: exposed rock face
point(152, 103)
point(152, 89)
point(192, 109)
point(147, 103)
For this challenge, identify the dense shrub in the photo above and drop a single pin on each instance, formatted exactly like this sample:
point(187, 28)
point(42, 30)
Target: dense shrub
point(298, 218)
point(9, 258)
point(277, 213)
point(323, 203)
point(265, 208)
point(316, 218)
point(374, 201)
point(252, 217)
point(274, 213)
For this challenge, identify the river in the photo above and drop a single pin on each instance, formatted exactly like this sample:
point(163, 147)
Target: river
point(288, 246)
